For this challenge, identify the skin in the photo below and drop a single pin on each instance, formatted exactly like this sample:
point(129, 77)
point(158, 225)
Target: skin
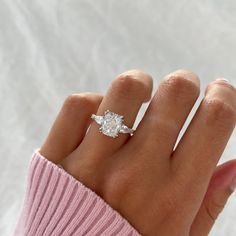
point(183, 186)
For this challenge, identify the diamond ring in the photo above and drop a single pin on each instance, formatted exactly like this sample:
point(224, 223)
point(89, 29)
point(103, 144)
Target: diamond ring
point(112, 124)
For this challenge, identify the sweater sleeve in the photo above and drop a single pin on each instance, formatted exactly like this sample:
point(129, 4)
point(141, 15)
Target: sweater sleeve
point(56, 204)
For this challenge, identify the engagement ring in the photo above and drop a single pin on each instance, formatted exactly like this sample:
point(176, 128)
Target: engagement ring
point(112, 124)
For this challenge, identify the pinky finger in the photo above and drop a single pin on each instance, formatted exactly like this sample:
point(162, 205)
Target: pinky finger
point(70, 125)
point(219, 190)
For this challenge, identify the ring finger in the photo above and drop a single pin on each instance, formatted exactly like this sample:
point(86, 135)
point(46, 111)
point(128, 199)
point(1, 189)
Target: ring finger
point(124, 97)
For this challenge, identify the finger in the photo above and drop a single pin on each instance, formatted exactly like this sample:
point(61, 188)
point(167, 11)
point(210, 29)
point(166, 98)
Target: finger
point(167, 112)
point(70, 125)
point(124, 97)
point(200, 148)
point(221, 186)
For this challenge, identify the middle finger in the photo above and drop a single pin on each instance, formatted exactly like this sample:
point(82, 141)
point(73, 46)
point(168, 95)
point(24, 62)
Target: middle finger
point(167, 112)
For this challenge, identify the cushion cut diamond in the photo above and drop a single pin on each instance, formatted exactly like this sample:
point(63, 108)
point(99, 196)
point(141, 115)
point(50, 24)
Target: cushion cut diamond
point(112, 123)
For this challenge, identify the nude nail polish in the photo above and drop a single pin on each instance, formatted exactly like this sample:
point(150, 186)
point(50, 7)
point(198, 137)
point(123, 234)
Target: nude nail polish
point(226, 81)
point(233, 184)
point(223, 79)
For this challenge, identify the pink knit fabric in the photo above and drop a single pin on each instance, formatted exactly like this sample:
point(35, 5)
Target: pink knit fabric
point(56, 204)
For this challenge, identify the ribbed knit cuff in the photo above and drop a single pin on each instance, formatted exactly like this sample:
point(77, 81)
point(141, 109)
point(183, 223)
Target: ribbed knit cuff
point(56, 204)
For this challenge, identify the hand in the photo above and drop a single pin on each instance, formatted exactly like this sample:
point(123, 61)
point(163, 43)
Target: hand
point(158, 189)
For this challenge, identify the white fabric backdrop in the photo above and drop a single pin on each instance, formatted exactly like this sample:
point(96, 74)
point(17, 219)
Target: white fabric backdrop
point(52, 48)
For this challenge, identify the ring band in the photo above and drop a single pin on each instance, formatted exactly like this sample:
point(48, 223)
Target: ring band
point(112, 124)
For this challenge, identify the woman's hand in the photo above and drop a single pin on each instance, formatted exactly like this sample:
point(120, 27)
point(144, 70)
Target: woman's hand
point(158, 190)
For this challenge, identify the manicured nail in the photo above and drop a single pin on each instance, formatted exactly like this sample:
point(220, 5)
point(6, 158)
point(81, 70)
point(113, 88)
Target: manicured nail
point(233, 184)
point(219, 79)
point(223, 79)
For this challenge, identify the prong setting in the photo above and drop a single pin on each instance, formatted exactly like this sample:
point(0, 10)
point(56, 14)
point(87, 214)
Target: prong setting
point(112, 124)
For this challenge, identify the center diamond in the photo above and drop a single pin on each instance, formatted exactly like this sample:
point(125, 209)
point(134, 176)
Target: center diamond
point(112, 123)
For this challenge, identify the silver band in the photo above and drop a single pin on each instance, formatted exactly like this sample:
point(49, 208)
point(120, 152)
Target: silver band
point(112, 124)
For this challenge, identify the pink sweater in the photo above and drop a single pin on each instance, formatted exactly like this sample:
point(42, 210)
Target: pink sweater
point(56, 204)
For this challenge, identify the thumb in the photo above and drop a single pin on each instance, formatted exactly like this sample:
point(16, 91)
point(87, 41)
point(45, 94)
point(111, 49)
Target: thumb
point(222, 184)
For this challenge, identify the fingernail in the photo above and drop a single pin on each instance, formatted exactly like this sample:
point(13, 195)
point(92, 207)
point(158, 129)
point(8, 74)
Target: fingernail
point(219, 79)
point(226, 81)
point(233, 184)
point(223, 79)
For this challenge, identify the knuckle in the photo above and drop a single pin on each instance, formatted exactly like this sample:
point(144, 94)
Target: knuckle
point(76, 101)
point(179, 87)
point(125, 85)
point(116, 189)
point(219, 111)
point(113, 190)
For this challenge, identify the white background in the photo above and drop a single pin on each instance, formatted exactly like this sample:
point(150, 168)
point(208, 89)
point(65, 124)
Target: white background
point(52, 48)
